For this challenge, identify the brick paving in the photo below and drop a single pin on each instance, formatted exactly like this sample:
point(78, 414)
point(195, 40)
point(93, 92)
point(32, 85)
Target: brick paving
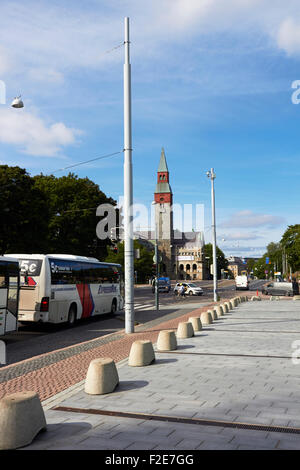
point(51, 373)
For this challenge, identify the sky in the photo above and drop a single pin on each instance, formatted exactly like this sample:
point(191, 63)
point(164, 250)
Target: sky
point(212, 83)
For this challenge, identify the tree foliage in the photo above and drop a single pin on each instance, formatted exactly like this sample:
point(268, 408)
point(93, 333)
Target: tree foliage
point(143, 265)
point(24, 213)
point(291, 243)
point(72, 204)
point(46, 214)
point(222, 262)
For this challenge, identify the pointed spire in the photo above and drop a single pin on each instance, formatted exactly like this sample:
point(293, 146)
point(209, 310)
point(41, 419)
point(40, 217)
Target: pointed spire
point(163, 162)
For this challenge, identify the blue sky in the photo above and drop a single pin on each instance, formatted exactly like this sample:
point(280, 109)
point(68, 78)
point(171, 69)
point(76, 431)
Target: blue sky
point(211, 83)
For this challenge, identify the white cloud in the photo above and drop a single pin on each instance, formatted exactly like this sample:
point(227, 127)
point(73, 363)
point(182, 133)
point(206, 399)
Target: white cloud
point(241, 236)
point(45, 75)
point(288, 37)
point(32, 135)
point(47, 41)
point(5, 64)
point(250, 219)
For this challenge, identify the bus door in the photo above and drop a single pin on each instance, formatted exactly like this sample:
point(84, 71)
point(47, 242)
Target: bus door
point(12, 298)
point(9, 296)
point(3, 298)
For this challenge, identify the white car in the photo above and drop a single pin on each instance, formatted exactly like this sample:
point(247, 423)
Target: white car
point(190, 288)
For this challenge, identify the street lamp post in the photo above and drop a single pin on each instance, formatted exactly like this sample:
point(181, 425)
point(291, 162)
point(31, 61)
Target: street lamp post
point(210, 174)
point(128, 192)
point(157, 260)
point(157, 270)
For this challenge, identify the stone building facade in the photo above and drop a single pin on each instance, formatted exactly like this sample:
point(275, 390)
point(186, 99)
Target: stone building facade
point(182, 253)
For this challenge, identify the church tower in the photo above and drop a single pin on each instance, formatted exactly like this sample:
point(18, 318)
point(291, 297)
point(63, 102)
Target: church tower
point(164, 216)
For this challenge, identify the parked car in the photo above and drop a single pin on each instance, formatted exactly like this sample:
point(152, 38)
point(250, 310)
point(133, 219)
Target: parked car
point(190, 288)
point(164, 284)
point(281, 288)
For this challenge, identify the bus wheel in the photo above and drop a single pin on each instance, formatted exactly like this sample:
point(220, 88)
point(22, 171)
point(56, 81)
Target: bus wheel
point(113, 307)
point(72, 316)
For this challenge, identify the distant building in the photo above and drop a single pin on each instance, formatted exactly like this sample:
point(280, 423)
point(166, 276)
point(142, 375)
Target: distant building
point(237, 264)
point(182, 253)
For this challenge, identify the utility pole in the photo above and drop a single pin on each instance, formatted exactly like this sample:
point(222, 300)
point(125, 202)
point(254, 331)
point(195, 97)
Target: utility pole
point(210, 174)
point(157, 270)
point(128, 192)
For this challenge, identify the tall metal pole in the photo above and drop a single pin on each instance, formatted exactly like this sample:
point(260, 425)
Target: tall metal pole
point(157, 270)
point(128, 192)
point(212, 177)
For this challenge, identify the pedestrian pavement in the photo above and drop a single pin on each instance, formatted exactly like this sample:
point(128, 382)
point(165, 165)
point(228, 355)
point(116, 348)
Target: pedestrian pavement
point(232, 386)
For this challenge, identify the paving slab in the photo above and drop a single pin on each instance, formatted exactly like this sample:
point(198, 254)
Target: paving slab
point(208, 394)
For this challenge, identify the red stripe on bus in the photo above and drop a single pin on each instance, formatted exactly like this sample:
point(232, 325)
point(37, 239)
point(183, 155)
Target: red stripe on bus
point(86, 299)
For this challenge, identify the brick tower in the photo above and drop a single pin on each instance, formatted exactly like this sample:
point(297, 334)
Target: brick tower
point(164, 216)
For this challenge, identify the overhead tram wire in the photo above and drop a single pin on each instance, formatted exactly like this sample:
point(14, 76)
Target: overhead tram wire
point(114, 154)
point(88, 161)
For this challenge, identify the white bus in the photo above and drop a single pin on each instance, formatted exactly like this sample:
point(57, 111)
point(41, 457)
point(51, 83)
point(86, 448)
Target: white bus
point(65, 288)
point(9, 294)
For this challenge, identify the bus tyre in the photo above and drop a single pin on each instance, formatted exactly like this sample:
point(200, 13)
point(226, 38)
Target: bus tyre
point(72, 316)
point(113, 307)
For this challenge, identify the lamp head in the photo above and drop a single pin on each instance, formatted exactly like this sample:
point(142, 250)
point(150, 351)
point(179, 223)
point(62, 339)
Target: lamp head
point(17, 102)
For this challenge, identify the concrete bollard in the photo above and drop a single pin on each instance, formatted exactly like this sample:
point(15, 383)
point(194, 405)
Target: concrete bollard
point(214, 314)
point(225, 308)
point(235, 302)
point(185, 330)
point(231, 306)
point(296, 297)
point(196, 322)
point(21, 419)
point(141, 353)
point(102, 376)
point(272, 297)
point(206, 318)
point(219, 311)
point(166, 341)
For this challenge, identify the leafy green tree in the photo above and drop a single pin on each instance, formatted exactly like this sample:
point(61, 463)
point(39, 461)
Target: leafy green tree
point(23, 212)
point(274, 253)
point(143, 265)
point(250, 265)
point(72, 204)
point(222, 262)
point(260, 267)
point(291, 243)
